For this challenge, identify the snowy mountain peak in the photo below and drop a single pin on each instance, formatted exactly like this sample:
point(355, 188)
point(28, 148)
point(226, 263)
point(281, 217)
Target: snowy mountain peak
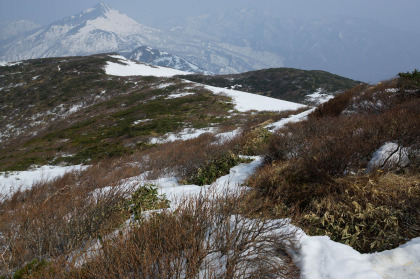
point(100, 8)
point(103, 6)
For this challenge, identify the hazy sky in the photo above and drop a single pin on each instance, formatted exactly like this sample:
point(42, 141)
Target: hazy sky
point(402, 14)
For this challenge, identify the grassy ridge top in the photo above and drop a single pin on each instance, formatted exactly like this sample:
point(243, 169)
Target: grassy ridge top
point(282, 83)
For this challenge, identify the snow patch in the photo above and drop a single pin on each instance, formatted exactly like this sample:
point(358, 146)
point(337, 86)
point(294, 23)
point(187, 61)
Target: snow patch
point(140, 121)
point(11, 182)
point(179, 95)
point(186, 134)
point(224, 137)
point(401, 262)
point(291, 119)
point(388, 155)
point(75, 108)
point(2, 64)
point(318, 97)
point(131, 68)
point(245, 101)
point(391, 90)
point(323, 258)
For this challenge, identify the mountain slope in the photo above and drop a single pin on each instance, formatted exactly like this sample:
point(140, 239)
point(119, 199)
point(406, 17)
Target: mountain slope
point(11, 29)
point(76, 109)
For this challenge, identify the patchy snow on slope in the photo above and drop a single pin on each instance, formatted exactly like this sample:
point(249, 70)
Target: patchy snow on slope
point(291, 119)
point(140, 121)
point(75, 108)
point(245, 101)
point(318, 97)
point(186, 134)
point(231, 183)
point(320, 258)
point(2, 63)
point(11, 182)
point(391, 90)
point(227, 136)
point(131, 68)
point(164, 85)
point(179, 95)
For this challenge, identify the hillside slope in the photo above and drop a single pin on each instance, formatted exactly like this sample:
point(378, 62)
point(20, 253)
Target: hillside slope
point(283, 83)
point(74, 109)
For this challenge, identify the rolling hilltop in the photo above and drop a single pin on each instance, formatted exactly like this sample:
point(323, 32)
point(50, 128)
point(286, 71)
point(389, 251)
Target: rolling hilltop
point(283, 83)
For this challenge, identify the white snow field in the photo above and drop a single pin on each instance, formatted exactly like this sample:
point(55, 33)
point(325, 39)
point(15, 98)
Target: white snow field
point(245, 101)
point(131, 68)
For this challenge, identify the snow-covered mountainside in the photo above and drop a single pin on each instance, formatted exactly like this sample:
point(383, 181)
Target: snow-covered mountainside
point(352, 47)
point(160, 58)
point(102, 29)
point(96, 30)
point(15, 28)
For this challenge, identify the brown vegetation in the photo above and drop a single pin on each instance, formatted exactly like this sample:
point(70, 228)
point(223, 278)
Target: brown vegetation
point(317, 168)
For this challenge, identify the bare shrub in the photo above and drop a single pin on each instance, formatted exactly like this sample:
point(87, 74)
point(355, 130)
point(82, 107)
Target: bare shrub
point(55, 218)
point(206, 237)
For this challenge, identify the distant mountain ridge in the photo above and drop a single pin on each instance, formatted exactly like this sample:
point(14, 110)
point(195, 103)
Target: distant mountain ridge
point(353, 47)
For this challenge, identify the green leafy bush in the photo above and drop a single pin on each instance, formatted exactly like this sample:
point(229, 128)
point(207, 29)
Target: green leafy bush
point(215, 168)
point(145, 198)
point(33, 269)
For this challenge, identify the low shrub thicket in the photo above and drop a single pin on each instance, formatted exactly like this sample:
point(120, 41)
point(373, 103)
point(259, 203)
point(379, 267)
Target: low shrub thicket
point(55, 218)
point(317, 168)
point(205, 237)
point(339, 145)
